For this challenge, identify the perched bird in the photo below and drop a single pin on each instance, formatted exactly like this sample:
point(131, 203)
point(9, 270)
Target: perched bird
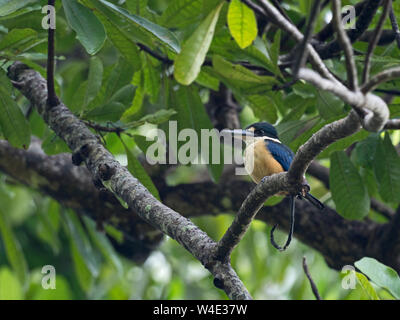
point(266, 155)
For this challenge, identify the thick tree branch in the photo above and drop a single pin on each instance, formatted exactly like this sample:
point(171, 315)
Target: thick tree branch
point(103, 166)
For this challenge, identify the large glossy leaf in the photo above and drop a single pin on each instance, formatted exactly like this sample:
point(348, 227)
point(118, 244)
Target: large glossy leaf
point(86, 261)
point(181, 13)
point(366, 286)
point(237, 72)
point(94, 80)
point(9, 6)
point(242, 23)
point(188, 62)
point(10, 288)
point(89, 30)
point(143, 28)
point(13, 123)
point(380, 274)
point(13, 250)
point(125, 44)
point(329, 105)
point(387, 170)
point(18, 40)
point(191, 114)
point(348, 190)
point(103, 244)
point(137, 170)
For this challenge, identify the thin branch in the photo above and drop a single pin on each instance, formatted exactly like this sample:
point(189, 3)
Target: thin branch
point(328, 30)
point(374, 41)
point(363, 21)
point(155, 54)
point(302, 57)
point(287, 26)
point(345, 44)
point(52, 99)
point(393, 124)
point(312, 283)
point(379, 78)
point(395, 25)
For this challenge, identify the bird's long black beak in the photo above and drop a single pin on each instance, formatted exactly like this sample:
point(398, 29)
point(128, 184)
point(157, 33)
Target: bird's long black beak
point(239, 133)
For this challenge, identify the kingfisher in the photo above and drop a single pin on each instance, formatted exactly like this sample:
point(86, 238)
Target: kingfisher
point(266, 155)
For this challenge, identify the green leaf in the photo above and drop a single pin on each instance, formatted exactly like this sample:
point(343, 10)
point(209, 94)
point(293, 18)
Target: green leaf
point(380, 274)
point(348, 190)
point(192, 114)
point(111, 111)
point(274, 51)
point(152, 80)
point(344, 143)
point(10, 288)
point(136, 6)
point(329, 105)
point(53, 144)
point(89, 30)
point(94, 80)
point(123, 42)
point(155, 118)
point(10, 6)
point(242, 23)
point(103, 244)
point(387, 170)
point(364, 152)
point(188, 62)
point(13, 250)
point(366, 286)
point(13, 124)
point(237, 72)
point(82, 250)
point(137, 170)
point(144, 26)
point(18, 39)
point(263, 107)
point(181, 13)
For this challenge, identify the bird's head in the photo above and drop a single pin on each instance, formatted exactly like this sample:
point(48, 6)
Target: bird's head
point(256, 130)
point(262, 129)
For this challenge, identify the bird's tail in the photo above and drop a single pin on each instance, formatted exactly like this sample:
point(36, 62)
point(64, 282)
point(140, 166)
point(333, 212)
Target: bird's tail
point(314, 201)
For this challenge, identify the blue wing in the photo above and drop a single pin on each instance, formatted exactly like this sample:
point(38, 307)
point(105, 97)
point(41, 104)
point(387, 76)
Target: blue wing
point(281, 153)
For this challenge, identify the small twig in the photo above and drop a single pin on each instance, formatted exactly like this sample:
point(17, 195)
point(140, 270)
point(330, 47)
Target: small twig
point(155, 54)
point(302, 57)
point(345, 44)
point(287, 26)
point(99, 127)
point(393, 124)
point(312, 283)
point(52, 99)
point(381, 77)
point(395, 25)
point(375, 38)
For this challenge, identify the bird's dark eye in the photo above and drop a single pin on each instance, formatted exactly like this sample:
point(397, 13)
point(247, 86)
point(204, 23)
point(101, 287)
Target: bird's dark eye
point(258, 132)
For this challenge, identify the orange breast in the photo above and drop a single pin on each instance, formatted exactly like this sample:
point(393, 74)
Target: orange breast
point(259, 162)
